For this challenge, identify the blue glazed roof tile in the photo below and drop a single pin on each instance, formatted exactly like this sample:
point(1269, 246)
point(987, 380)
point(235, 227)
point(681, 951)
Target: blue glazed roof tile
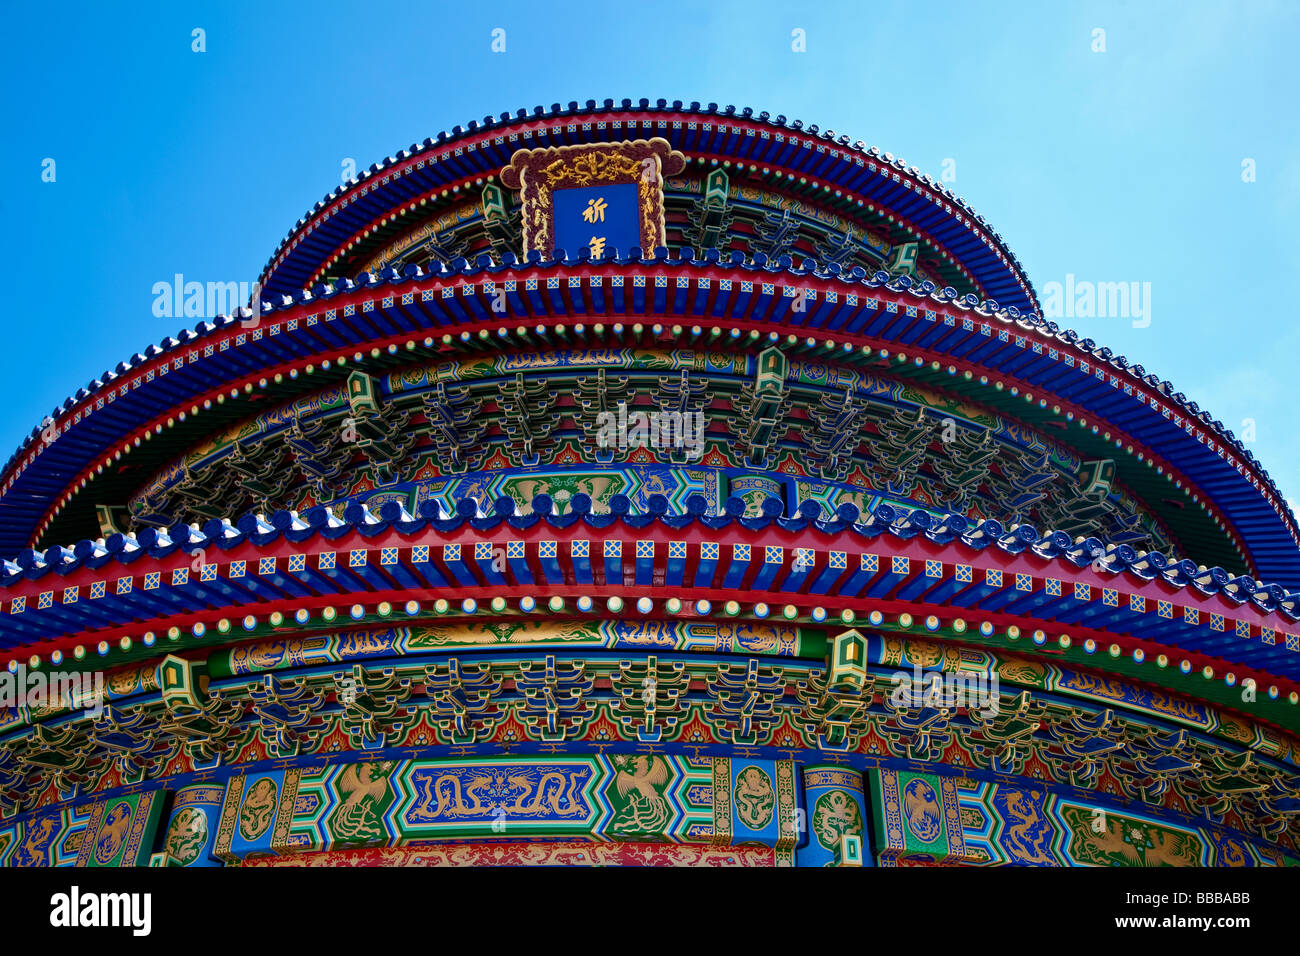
point(903, 525)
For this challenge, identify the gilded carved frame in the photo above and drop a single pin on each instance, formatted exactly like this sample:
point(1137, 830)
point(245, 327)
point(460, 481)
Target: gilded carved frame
point(539, 172)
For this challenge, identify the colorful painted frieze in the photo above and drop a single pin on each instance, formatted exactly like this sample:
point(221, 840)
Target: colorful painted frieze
point(1030, 825)
point(618, 798)
point(748, 637)
point(549, 853)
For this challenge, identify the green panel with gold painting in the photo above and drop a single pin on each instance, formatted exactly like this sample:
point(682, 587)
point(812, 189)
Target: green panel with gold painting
point(917, 820)
point(121, 831)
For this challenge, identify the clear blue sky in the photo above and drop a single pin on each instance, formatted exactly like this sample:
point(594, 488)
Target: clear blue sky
point(1117, 166)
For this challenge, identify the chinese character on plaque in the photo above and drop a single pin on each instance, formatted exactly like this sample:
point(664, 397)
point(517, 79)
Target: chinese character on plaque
point(602, 197)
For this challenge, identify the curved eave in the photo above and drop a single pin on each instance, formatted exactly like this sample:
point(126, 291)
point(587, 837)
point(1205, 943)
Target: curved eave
point(386, 311)
point(483, 149)
point(890, 562)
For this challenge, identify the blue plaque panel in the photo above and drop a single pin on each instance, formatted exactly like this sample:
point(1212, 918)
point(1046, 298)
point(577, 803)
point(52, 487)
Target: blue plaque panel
point(600, 217)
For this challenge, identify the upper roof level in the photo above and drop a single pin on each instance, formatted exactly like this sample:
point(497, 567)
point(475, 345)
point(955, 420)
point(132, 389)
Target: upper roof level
point(404, 258)
point(823, 171)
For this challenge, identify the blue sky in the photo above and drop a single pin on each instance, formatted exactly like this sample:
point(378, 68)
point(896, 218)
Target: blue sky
point(1123, 165)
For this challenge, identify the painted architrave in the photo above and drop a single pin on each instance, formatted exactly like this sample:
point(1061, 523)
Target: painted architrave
point(560, 853)
point(617, 798)
point(749, 637)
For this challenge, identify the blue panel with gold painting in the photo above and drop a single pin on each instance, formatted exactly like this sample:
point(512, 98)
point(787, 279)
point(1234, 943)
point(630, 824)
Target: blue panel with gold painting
point(49, 838)
point(121, 830)
point(34, 840)
point(256, 814)
point(835, 809)
point(763, 795)
point(598, 217)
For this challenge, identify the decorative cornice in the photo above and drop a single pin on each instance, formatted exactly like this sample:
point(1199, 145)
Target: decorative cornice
point(940, 569)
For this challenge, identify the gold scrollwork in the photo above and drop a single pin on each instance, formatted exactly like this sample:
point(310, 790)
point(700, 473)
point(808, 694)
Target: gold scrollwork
point(539, 172)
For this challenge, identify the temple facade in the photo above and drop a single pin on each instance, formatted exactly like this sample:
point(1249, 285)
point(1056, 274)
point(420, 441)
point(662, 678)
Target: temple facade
point(651, 484)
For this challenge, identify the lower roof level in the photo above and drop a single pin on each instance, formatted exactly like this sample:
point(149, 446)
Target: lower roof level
point(1166, 452)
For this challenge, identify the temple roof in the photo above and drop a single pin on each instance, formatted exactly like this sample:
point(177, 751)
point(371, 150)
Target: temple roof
point(1068, 378)
point(820, 163)
point(1077, 593)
